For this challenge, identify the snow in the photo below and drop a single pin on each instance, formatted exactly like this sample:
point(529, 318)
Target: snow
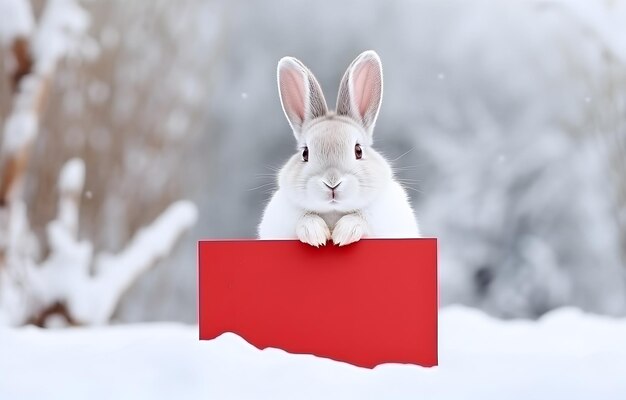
point(62, 24)
point(604, 23)
point(16, 19)
point(565, 354)
point(20, 128)
point(72, 177)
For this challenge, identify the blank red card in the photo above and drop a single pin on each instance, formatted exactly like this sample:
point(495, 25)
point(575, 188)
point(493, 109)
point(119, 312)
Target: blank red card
point(368, 303)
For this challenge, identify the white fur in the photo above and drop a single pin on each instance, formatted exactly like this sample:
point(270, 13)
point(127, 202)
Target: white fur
point(367, 202)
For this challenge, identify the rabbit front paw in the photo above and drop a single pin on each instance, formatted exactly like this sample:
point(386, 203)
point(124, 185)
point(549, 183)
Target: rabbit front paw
point(349, 229)
point(312, 229)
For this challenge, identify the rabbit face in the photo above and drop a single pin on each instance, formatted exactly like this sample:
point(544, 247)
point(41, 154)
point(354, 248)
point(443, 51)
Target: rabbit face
point(335, 169)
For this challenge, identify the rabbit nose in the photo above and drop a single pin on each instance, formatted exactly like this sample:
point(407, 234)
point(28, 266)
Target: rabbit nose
point(332, 187)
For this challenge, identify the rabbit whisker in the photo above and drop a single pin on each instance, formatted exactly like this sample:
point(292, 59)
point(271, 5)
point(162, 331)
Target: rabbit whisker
point(261, 186)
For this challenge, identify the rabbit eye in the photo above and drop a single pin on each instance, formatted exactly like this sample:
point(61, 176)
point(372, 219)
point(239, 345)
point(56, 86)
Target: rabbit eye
point(305, 154)
point(358, 151)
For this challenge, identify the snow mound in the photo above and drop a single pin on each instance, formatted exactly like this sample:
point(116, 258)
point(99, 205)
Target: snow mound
point(566, 354)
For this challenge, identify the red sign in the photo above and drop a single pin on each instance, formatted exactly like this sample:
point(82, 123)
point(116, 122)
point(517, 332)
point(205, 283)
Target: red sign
point(372, 302)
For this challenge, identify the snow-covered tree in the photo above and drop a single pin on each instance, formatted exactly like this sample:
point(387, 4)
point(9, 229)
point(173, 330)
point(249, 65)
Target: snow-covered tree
point(70, 281)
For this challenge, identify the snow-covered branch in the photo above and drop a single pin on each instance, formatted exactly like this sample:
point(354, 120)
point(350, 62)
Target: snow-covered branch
point(116, 273)
point(71, 281)
point(65, 277)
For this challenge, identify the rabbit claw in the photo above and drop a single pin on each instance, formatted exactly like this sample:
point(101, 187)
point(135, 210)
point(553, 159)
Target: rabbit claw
point(312, 229)
point(349, 229)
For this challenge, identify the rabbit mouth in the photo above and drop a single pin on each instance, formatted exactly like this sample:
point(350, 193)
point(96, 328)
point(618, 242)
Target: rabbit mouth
point(333, 197)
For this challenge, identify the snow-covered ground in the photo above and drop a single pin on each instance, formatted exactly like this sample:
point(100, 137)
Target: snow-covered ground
point(566, 354)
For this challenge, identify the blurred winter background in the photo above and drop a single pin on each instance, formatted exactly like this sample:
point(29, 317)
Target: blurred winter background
point(509, 117)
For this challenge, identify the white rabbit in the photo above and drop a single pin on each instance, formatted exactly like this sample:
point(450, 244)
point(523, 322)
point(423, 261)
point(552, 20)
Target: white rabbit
point(336, 186)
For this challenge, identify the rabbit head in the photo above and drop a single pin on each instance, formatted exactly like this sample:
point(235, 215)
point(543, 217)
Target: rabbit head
point(335, 167)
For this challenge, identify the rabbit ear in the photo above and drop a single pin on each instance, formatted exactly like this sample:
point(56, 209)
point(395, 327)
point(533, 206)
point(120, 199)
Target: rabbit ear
point(361, 90)
point(300, 93)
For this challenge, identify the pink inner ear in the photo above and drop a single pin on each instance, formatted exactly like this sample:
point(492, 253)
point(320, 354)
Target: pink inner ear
point(292, 92)
point(364, 84)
